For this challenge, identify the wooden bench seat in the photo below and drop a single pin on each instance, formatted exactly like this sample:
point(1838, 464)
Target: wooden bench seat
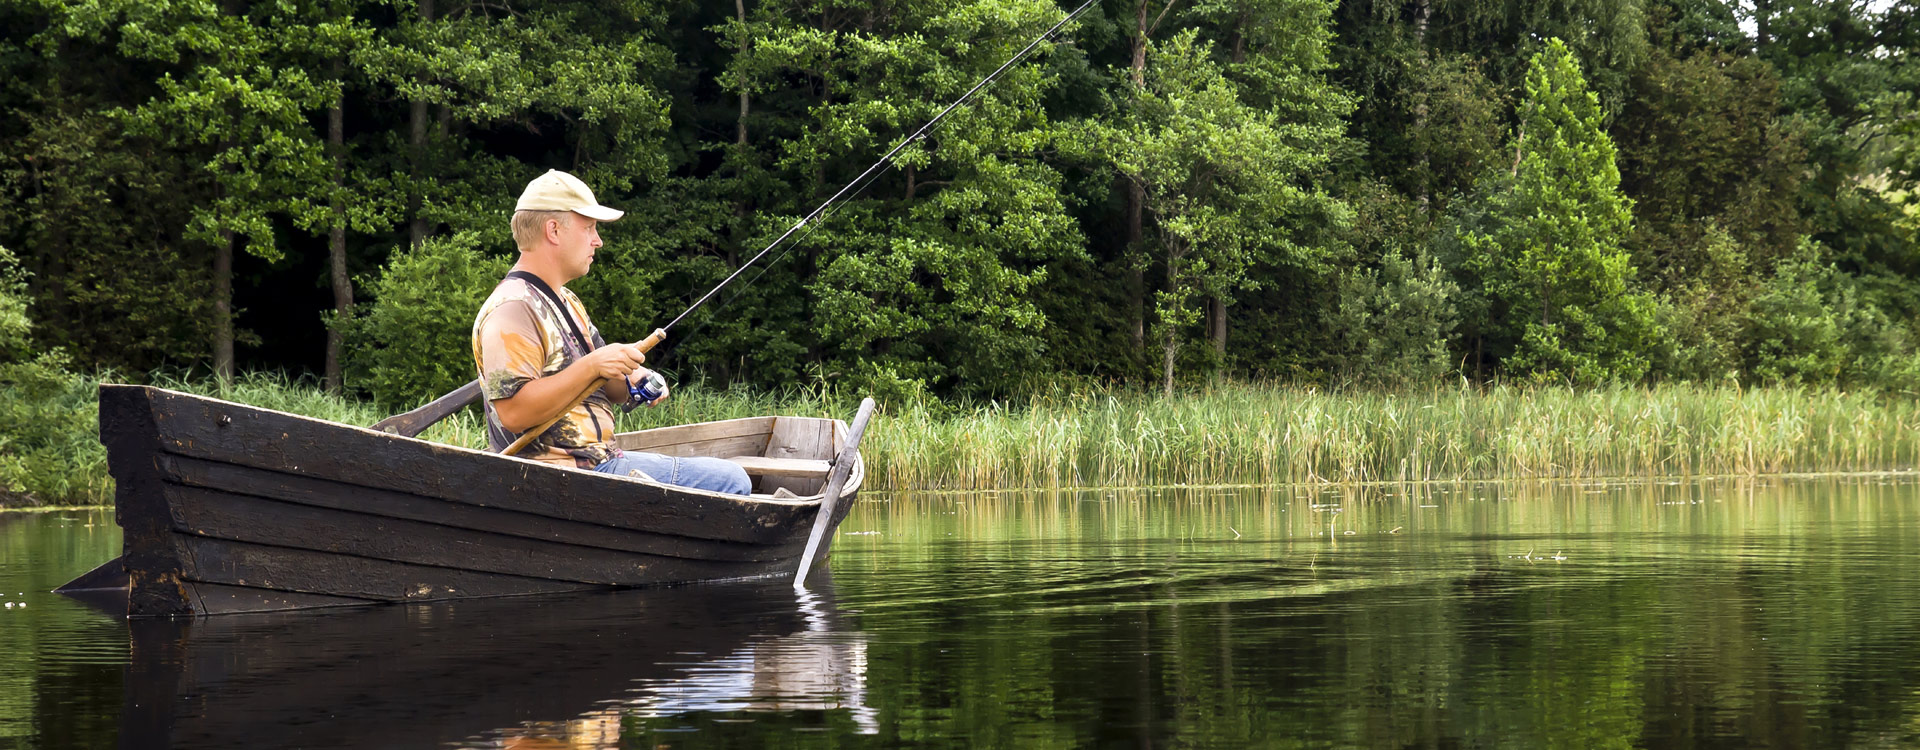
point(761, 466)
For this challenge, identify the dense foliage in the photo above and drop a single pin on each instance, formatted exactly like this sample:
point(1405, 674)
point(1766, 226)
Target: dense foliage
point(1313, 190)
point(48, 448)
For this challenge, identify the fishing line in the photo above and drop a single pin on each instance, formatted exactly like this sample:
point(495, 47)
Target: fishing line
point(797, 243)
point(860, 183)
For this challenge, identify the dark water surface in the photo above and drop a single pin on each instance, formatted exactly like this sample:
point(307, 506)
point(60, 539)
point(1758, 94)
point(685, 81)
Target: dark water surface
point(1707, 614)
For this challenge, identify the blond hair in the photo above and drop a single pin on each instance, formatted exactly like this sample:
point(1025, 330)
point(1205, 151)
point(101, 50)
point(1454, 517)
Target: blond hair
point(530, 226)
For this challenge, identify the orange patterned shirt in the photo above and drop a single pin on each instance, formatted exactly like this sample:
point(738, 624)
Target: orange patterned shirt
point(519, 336)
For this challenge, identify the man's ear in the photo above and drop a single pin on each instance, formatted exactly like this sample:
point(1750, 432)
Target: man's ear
point(552, 230)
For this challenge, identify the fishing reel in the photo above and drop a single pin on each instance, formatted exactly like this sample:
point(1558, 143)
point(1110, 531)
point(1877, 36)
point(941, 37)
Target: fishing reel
point(648, 390)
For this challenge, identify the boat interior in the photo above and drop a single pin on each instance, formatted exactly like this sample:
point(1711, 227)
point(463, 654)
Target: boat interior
point(792, 454)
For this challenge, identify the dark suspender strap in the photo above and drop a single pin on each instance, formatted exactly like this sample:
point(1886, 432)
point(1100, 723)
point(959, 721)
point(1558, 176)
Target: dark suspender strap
point(566, 314)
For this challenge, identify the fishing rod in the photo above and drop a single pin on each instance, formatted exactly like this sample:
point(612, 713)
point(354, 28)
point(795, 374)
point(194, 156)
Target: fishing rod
point(814, 217)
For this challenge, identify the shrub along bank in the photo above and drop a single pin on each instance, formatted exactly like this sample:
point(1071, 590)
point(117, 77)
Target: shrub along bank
point(1226, 434)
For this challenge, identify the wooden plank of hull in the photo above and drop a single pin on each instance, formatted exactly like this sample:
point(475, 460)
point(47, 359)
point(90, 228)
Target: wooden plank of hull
point(339, 496)
point(244, 518)
point(751, 445)
point(215, 430)
point(733, 437)
point(304, 571)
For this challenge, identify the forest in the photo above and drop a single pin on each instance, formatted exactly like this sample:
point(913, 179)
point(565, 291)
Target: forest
point(1354, 193)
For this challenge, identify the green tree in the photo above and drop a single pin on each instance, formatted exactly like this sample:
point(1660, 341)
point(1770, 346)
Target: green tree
point(1702, 145)
point(1850, 79)
point(14, 323)
point(241, 98)
point(1552, 260)
point(921, 282)
point(95, 211)
point(1221, 157)
point(1716, 173)
point(1811, 324)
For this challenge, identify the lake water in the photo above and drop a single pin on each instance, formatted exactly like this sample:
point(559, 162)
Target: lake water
point(1777, 613)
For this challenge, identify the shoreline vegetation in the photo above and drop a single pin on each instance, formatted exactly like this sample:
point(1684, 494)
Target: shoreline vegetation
point(1222, 434)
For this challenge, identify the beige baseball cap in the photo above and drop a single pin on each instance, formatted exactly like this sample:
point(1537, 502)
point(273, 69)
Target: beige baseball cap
point(559, 191)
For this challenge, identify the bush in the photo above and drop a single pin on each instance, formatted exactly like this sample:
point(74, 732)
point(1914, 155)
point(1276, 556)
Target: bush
point(14, 324)
point(49, 418)
point(1393, 325)
point(1704, 316)
point(1815, 324)
point(415, 342)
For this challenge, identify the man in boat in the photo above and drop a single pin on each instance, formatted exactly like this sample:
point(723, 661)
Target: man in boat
point(536, 349)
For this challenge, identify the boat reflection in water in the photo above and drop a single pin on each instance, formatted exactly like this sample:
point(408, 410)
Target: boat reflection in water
point(816, 669)
point(526, 672)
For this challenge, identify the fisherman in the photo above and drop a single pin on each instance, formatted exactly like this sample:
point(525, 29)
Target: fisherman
point(536, 348)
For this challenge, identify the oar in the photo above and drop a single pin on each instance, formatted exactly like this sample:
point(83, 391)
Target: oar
point(417, 421)
point(659, 334)
point(818, 542)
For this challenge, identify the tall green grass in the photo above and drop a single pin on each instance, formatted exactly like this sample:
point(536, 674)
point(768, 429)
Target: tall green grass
point(1252, 434)
point(1232, 434)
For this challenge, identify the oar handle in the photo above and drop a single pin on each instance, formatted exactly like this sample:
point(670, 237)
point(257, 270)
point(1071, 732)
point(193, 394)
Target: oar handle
point(646, 345)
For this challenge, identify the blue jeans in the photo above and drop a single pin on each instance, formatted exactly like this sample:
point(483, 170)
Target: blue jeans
point(698, 472)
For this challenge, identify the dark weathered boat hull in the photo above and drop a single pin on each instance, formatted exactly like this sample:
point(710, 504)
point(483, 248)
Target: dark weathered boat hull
point(232, 508)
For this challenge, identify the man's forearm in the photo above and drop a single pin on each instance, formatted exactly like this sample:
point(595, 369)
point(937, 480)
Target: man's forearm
point(545, 398)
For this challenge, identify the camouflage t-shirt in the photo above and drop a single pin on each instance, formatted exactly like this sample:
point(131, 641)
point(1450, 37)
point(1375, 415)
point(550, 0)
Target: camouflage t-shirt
point(519, 336)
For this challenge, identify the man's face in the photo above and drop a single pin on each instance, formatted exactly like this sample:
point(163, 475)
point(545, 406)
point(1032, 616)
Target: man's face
point(579, 236)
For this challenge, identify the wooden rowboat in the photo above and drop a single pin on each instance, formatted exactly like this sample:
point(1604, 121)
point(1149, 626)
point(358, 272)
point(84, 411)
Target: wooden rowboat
point(233, 508)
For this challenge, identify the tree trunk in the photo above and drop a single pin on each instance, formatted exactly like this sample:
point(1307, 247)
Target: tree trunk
point(1422, 12)
point(1136, 198)
point(1217, 323)
point(337, 239)
point(1137, 275)
point(1171, 347)
point(417, 146)
point(49, 263)
point(1139, 65)
point(740, 126)
point(223, 307)
point(1519, 150)
point(728, 371)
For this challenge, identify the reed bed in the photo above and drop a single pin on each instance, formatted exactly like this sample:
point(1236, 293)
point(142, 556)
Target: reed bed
point(1254, 434)
point(1246, 434)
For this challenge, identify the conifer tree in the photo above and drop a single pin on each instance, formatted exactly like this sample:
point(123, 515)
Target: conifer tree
point(1552, 256)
